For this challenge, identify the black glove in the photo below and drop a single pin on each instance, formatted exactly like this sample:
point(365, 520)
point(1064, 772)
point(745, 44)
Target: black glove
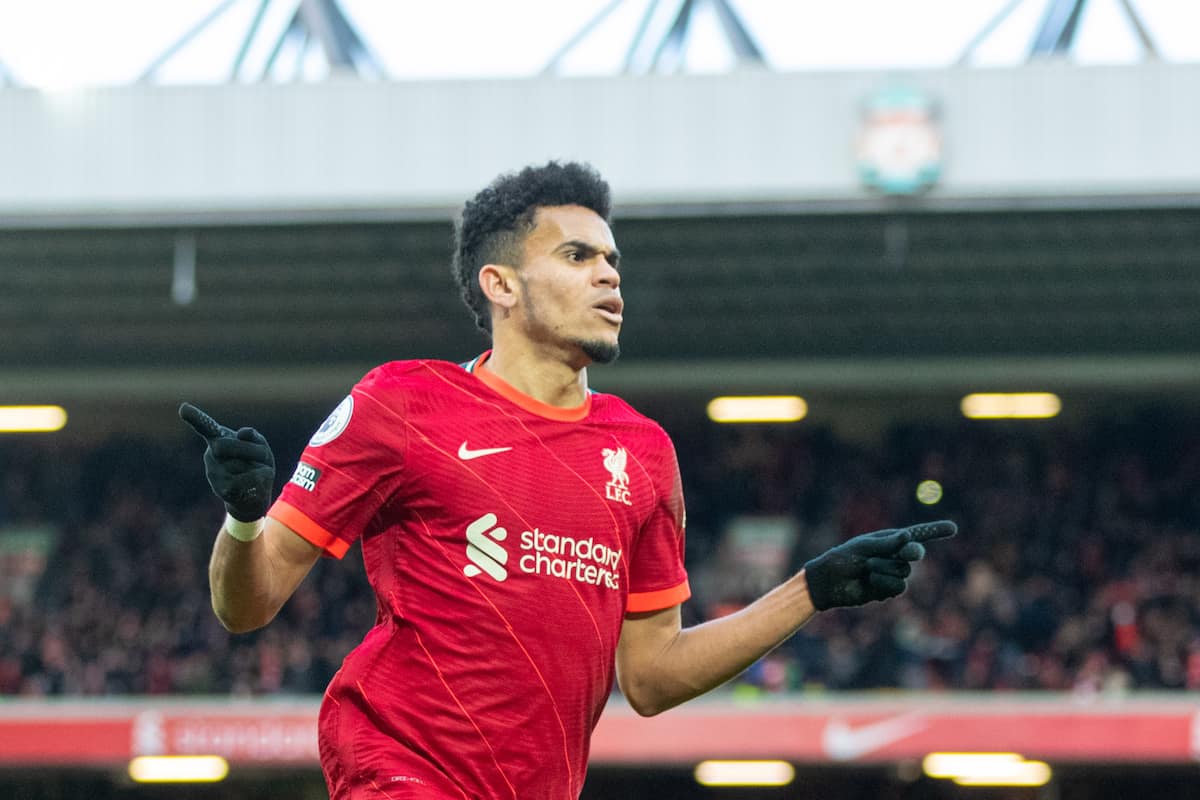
point(872, 566)
point(240, 466)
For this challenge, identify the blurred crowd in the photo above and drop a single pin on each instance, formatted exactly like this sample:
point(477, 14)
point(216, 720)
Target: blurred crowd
point(1077, 567)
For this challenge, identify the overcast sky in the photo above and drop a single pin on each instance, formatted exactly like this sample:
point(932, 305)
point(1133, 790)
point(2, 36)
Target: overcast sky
point(69, 43)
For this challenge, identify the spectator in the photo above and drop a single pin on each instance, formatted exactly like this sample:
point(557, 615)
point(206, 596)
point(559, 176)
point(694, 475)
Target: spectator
point(1080, 553)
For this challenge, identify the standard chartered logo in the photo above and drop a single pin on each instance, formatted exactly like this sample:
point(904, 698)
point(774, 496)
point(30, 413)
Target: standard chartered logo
point(483, 550)
point(557, 555)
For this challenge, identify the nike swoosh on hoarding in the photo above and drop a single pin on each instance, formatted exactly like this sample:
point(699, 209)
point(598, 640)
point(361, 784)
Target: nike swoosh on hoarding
point(466, 454)
point(844, 743)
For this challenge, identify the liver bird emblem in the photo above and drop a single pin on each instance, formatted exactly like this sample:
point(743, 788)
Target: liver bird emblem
point(614, 462)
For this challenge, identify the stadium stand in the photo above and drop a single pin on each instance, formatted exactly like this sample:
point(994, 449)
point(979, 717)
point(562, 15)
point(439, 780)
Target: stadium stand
point(1076, 570)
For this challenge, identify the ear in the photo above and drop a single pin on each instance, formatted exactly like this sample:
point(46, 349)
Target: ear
point(499, 284)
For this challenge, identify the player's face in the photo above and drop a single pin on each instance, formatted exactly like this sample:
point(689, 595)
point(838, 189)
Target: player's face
point(571, 289)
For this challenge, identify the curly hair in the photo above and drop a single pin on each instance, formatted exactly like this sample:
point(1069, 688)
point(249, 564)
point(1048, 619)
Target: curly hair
point(494, 223)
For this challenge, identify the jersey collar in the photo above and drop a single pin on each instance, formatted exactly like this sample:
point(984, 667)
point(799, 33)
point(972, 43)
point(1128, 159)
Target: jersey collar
point(478, 368)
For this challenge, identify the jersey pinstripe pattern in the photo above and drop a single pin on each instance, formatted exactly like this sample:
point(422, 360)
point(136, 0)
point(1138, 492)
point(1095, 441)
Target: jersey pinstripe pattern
point(491, 659)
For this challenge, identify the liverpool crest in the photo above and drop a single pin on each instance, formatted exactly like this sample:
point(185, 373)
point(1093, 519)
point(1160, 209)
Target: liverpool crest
point(618, 486)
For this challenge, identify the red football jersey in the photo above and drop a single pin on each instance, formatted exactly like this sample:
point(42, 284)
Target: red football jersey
point(505, 540)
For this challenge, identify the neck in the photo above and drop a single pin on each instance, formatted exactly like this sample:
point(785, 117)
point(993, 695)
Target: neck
point(547, 379)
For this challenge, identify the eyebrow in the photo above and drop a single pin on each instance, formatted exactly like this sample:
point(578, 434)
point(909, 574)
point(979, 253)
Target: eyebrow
point(612, 256)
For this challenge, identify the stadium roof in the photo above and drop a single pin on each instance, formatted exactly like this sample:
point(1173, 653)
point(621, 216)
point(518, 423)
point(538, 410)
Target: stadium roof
point(61, 43)
point(1029, 299)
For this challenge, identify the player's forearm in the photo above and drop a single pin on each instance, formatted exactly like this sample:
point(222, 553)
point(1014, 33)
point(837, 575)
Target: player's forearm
point(242, 583)
point(705, 656)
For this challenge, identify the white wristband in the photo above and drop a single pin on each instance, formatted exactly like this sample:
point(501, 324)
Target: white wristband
point(244, 531)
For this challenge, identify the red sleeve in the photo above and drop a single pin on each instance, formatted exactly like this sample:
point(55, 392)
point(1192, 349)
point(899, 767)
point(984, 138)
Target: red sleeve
point(657, 578)
point(348, 470)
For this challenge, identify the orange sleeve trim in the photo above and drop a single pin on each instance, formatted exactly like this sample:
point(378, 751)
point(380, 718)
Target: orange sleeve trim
point(299, 522)
point(657, 601)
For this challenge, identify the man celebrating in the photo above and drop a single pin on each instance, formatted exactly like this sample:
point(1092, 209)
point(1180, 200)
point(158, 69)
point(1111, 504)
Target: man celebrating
point(523, 535)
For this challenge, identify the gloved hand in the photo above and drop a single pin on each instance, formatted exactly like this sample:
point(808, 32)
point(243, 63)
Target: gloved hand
point(872, 566)
point(240, 466)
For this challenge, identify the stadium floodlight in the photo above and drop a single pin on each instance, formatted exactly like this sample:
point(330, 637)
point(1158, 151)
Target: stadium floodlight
point(1011, 405)
point(178, 769)
point(744, 773)
point(987, 769)
point(776, 408)
point(32, 419)
point(1024, 773)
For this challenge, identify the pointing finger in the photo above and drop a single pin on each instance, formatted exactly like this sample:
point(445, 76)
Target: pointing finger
point(202, 423)
point(883, 534)
point(928, 531)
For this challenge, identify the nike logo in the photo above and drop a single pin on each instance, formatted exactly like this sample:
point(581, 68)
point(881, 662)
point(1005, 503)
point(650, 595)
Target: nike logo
point(843, 743)
point(466, 454)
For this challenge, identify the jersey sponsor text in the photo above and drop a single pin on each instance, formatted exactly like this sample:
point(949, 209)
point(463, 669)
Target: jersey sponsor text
point(583, 560)
point(306, 476)
point(553, 554)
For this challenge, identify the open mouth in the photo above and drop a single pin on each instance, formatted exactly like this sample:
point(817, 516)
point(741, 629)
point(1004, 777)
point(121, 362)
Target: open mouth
point(610, 309)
